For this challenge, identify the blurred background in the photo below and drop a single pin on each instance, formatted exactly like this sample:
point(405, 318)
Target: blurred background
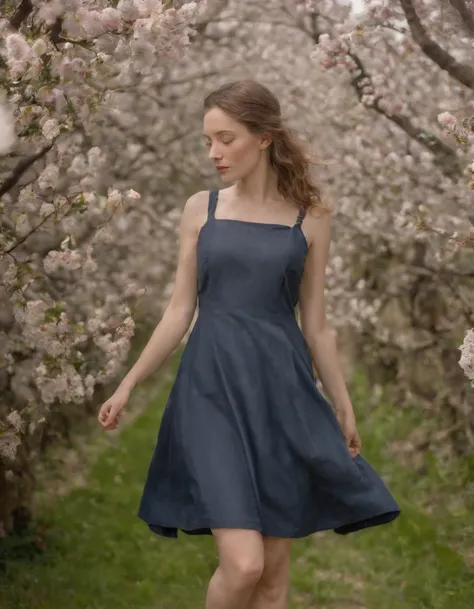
point(100, 146)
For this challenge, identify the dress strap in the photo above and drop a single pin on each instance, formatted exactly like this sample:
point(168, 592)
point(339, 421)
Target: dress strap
point(301, 215)
point(212, 204)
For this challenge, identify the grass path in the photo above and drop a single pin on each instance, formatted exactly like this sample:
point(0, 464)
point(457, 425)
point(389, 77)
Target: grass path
point(99, 555)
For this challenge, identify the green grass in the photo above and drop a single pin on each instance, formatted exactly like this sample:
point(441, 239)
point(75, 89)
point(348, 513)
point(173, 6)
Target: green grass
point(96, 554)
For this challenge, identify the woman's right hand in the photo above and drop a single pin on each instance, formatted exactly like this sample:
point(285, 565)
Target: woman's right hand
point(112, 410)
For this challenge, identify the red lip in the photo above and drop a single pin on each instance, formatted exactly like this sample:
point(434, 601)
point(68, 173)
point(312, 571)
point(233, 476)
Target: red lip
point(221, 169)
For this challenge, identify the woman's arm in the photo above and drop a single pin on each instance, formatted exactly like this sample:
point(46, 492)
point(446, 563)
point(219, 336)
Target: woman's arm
point(317, 331)
point(180, 310)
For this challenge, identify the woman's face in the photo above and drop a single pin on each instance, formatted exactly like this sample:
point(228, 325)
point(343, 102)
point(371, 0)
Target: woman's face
point(232, 147)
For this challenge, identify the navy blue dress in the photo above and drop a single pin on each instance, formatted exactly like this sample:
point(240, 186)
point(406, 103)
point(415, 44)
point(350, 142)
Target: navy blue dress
point(247, 440)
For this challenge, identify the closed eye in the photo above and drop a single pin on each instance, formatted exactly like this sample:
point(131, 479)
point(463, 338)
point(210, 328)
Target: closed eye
point(226, 143)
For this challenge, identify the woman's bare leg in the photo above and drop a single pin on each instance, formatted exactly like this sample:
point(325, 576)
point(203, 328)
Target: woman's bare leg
point(271, 591)
point(241, 556)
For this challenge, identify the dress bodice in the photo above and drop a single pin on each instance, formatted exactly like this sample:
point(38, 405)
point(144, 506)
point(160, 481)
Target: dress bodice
point(250, 266)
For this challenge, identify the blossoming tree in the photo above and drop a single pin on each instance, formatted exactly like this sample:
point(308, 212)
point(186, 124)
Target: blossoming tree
point(66, 71)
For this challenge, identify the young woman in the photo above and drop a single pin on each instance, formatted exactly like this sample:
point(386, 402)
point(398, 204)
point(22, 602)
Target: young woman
point(248, 449)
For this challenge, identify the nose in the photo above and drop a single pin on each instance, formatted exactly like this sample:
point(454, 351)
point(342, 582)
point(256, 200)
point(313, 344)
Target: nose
point(214, 153)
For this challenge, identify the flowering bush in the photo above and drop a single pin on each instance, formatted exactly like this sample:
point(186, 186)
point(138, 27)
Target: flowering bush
point(68, 76)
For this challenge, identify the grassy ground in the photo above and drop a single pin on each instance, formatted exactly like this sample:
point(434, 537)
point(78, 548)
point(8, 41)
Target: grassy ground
point(96, 554)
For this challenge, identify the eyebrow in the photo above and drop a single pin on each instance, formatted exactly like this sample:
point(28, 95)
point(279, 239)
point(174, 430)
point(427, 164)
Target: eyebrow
point(219, 132)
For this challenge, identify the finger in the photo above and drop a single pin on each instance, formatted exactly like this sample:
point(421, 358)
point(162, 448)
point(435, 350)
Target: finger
point(104, 411)
point(117, 414)
point(352, 446)
point(113, 418)
point(107, 420)
point(111, 415)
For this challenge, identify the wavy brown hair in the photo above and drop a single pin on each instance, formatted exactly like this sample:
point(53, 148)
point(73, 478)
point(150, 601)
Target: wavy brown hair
point(255, 106)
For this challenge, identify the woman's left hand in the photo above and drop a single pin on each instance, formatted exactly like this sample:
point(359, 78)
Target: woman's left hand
point(349, 429)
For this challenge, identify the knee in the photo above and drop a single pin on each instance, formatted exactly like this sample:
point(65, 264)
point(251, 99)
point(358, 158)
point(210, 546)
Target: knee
point(247, 571)
point(273, 584)
point(272, 590)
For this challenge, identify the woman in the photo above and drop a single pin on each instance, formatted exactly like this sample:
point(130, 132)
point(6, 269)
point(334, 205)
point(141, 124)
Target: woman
point(248, 449)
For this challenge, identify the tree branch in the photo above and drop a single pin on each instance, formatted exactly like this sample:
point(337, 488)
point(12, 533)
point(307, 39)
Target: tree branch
point(445, 156)
point(461, 72)
point(21, 168)
point(467, 16)
point(25, 237)
point(21, 14)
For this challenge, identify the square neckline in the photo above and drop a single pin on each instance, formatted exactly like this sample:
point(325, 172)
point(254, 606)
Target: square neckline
point(212, 206)
point(255, 223)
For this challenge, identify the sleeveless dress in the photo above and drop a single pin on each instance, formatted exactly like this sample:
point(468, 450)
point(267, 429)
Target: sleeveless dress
point(246, 439)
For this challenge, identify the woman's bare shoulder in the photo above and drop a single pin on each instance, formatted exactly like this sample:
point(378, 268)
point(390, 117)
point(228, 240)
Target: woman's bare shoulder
point(197, 203)
point(194, 211)
point(317, 224)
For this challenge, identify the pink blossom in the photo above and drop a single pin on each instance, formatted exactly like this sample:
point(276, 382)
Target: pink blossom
point(90, 198)
point(70, 260)
point(70, 69)
point(111, 19)
point(114, 197)
point(22, 225)
point(96, 158)
point(40, 47)
point(189, 11)
point(467, 355)
point(15, 419)
point(90, 22)
point(46, 209)
point(59, 100)
point(8, 445)
point(17, 48)
point(49, 177)
point(89, 265)
point(133, 194)
point(51, 10)
point(78, 166)
point(447, 120)
point(126, 328)
point(51, 129)
point(128, 9)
